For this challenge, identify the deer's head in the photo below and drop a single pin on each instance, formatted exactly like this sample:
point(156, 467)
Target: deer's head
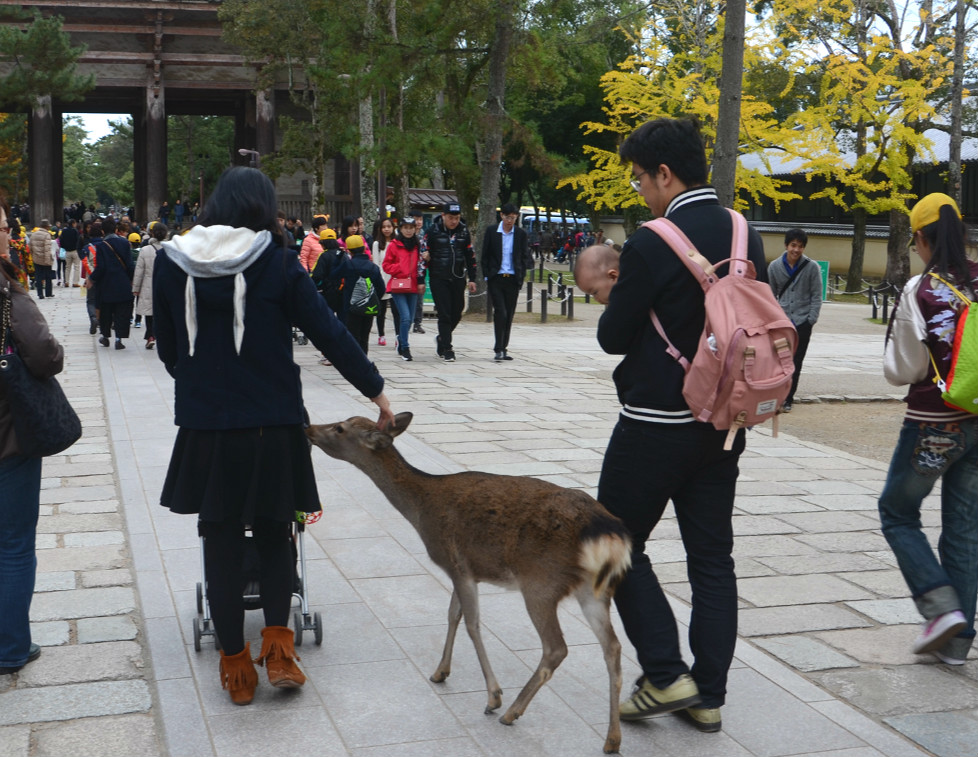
point(348, 440)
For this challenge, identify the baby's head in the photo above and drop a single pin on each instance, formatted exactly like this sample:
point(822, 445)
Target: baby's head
point(597, 271)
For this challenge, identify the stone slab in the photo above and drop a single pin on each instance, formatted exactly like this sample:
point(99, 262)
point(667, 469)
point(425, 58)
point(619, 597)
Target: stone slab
point(129, 735)
point(83, 603)
point(798, 590)
point(878, 645)
point(770, 621)
point(946, 734)
point(832, 562)
point(112, 628)
point(78, 663)
point(82, 700)
point(889, 611)
point(805, 654)
point(887, 692)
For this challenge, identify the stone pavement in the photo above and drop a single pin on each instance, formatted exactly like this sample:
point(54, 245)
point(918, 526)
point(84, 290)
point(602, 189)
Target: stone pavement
point(823, 664)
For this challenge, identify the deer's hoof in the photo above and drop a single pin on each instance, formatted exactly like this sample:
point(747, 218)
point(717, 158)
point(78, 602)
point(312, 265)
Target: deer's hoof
point(611, 746)
point(439, 676)
point(508, 719)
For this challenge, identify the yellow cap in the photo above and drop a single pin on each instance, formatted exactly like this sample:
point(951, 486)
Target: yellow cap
point(928, 210)
point(134, 238)
point(354, 242)
point(327, 234)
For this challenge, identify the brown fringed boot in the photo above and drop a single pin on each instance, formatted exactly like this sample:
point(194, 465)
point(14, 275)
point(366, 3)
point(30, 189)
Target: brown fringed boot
point(278, 655)
point(238, 675)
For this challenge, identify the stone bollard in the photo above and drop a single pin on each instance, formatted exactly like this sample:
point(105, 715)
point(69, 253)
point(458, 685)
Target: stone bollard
point(543, 305)
point(529, 297)
point(570, 303)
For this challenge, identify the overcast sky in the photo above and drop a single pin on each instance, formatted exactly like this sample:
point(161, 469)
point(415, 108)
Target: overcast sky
point(97, 124)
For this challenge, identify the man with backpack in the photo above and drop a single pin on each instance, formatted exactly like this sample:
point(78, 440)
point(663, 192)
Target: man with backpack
point(796, 281)
point(658, 450)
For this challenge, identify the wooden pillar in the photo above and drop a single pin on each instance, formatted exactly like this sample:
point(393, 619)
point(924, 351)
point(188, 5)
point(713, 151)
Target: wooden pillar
point(265, 122)
point(41, 155)
point(155, 147)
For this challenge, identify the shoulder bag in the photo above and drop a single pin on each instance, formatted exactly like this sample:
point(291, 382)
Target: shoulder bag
point(44, 421)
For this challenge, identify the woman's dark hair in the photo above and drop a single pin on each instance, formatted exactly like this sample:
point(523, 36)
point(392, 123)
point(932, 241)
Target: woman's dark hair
point(96, 229)
point(243, 198)
point(349, 222)
point(159, 231)
point(378, 234)
point(946, 237)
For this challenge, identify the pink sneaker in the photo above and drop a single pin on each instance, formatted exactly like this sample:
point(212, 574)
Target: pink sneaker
point(381, 341)
point(938, 630)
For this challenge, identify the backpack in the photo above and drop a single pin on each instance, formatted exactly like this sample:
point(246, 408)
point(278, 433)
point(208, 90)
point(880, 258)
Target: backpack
point(741, 372)
point(960, 389)
point(363, 298)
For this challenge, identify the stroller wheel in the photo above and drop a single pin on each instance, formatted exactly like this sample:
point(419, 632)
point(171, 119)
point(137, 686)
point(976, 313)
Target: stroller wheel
point(317, 621)
point(196, 635)
point(297, 622)
point(200, 599)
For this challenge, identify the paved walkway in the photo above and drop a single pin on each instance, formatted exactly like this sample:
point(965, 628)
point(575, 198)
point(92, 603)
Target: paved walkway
point(823, 664)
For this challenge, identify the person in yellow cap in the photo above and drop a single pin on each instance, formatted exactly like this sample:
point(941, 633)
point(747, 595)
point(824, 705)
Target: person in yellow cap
point(937, 442)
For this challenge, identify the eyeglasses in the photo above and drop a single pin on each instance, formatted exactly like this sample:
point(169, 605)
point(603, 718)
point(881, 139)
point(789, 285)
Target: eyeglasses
point(4, 229)
point(636, 182)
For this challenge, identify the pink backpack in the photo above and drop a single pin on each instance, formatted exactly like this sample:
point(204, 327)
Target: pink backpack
point(741, 372)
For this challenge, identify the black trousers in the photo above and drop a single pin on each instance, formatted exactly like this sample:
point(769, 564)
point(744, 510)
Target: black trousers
point(449, 297)
point(504, 292)
point(43, 277)
point(114, 315)
point(646, 465)
point(359, 326)
point(224, 559)
point(804, 337)
point(382, 316)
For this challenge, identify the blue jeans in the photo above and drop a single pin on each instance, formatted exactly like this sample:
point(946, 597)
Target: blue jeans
point(405, 312)
point(20, 484)
point(924, 453)
point(646, 465)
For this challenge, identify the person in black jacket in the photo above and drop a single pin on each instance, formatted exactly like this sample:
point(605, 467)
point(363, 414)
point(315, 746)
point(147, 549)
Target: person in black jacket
point(658, 451)
point(113, 281)
point(226, 296)
point(70, 239)
point(505, 258)
point(450, 261)
point(357, 266)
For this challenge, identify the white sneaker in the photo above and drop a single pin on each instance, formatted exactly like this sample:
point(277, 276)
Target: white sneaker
point(938, 630)
point(948, 660)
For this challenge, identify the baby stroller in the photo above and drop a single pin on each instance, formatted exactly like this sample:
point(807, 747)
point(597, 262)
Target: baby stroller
point(302, 620)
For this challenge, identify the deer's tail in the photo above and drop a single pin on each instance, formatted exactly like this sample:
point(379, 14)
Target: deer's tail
point(606, 553)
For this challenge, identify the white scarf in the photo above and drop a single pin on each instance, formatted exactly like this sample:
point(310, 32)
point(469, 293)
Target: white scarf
point(209, 252)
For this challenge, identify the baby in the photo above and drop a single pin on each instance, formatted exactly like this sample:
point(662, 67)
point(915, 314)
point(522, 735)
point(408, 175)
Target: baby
point(597, 271)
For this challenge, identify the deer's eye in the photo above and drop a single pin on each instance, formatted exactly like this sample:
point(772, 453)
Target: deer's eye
point(339, 429)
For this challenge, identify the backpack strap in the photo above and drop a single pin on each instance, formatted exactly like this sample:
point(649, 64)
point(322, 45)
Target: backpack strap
point(702, 269)
point(942, 383)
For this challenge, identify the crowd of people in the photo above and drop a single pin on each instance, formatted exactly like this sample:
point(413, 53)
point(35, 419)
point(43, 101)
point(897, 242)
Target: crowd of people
point(196, 296)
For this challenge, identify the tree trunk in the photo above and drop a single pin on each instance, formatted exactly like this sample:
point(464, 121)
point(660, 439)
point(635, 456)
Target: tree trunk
point(957, 86)
point(368, 177)
point(854, 282)
point(728, 116)
point(490, 148)
point(897, 252)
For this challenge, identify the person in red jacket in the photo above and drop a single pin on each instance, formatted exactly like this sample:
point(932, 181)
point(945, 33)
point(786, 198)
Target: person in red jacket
point(401, 262)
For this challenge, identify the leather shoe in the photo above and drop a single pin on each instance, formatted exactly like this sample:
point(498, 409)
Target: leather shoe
point(33, 653)
point(104, 341)
point(506, 355)
point(499, 356)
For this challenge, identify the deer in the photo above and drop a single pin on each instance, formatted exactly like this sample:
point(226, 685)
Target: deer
point(520, 532)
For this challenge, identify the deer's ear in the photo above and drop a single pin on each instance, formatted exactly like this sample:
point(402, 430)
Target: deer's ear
point(375, 439)
point(401, 422)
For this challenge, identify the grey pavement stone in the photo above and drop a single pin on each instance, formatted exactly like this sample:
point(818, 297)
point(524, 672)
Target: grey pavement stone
point(860, 541)
point(129, 735)
point(946, 734)
point(797, 590)
point(51, 633)
point(82, 700)
point(58, 581)
point(112, 628)
point(887, 583)
point(81, 558)
point(773, 504)
point(83, 603)
point(879, 645)
point(831, 522)
point(833, 562)
point(755, 525)
point(76, 494)
point(15, 741)
point(885, 740)
point(805, 654)
point(829, 486)
point(73, 524)
point(94, 539)
point(889, 612)
point(95, 578)
point(766, 546)
point(901, 690)
point(79, 663)
point(767, 489)
point(93, 506)
point(46, 541)
point(864, 502)
point(769, 621)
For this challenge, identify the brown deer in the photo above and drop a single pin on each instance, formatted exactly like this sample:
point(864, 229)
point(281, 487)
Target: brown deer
point(513, 531)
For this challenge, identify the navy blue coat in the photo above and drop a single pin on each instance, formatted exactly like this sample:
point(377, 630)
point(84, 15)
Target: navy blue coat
point(218, 389)
point(114, 269)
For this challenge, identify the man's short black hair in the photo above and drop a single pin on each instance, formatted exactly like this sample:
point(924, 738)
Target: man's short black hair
point(675, 142)
point(796, 235)
point(508, 209)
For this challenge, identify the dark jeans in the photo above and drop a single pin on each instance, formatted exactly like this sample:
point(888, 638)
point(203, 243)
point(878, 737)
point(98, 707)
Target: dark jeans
point(419, 308)
point(20, 497)
point(224, 551)
point(646, 465)
point(504, 291)
point(359, 326)
point(449, 297)
point(114, 315)
point(43, 276)
point(382, 316)
point(804, 337)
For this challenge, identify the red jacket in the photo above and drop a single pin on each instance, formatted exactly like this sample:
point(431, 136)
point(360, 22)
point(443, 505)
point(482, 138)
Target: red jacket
point(401, 263)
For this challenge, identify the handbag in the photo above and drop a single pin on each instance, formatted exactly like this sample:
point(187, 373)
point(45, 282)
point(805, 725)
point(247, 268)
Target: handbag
point(402, 285)
point(44, 421)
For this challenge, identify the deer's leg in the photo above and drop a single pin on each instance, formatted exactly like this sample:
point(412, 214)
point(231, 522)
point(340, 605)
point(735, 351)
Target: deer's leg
point(467, 591)
point(597, 612)
point(454, 616)
point(543, 613)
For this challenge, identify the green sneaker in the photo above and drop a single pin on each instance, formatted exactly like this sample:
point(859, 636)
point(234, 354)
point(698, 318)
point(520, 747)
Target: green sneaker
point(647, 700)
point(705, 719)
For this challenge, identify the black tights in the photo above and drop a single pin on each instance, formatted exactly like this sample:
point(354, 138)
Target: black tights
point(224, 545)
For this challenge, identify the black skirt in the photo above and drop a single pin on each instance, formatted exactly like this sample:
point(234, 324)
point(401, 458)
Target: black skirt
point(241, 474)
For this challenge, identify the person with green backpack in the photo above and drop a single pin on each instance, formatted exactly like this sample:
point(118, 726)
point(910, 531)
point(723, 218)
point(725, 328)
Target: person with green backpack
point(364, 285)
point(938, 440)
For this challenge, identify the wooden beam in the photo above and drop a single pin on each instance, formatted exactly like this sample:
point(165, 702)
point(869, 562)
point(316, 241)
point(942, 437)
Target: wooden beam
point(170, 31)
point(169, 59)
point(205, 6)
